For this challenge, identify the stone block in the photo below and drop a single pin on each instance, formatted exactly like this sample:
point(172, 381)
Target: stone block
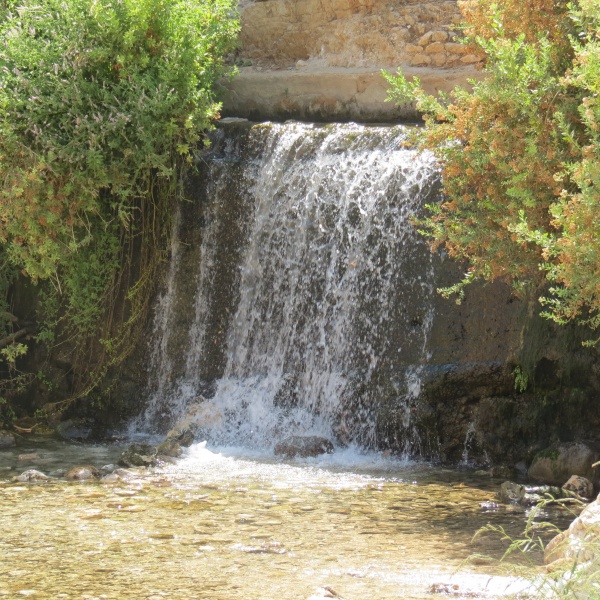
point(435, 48)
point(470, 59)
point(420, 60)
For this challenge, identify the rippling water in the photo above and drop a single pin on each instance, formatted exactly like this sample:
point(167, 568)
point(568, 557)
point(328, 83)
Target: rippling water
point(224, 525)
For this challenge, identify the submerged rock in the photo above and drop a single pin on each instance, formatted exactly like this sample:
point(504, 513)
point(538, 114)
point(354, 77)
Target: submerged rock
point(298, 445)
point(32, 475)
point(7, 439)
point(138, 455)
point(119, 475)
point(57, 473)
point(556, 464)
point(82, 473)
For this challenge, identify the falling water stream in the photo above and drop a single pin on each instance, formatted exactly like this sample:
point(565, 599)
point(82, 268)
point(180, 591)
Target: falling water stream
point(305, 301)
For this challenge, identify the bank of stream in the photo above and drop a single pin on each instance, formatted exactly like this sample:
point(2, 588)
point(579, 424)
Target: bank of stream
point(225, 524)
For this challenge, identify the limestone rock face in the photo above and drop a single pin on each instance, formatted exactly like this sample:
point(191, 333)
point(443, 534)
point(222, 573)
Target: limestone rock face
point(350, 33)
point(322, 59)
point(298, 445)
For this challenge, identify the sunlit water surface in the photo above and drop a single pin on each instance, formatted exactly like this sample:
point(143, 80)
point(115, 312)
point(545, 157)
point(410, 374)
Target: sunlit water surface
point(224, 525)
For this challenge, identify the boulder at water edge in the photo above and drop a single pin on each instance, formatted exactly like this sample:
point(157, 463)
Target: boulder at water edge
point(579, 543)
point(74, 429)
point(299, 445)
point(580, 486)
point(556, 464)
point(7, 439)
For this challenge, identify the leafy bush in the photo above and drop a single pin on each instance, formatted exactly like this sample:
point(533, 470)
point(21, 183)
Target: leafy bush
point(519, 152)
point(102, 103)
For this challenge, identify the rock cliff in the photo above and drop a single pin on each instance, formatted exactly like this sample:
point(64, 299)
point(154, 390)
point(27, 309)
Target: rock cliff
point(322, 59)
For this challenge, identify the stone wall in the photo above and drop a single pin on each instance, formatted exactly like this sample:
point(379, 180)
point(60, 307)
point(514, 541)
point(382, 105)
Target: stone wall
point(322, 59)
point(352, 33)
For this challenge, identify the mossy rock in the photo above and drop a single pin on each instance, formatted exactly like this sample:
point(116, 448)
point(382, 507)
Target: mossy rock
point(554, 465)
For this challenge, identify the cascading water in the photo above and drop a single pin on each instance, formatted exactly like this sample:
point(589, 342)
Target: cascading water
point(313, 291)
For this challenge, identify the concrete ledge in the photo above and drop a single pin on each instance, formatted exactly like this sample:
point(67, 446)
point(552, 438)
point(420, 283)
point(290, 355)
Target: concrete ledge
point(329, 94)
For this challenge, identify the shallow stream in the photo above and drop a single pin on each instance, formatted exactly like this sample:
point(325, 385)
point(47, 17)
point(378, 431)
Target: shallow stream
point(225, 524)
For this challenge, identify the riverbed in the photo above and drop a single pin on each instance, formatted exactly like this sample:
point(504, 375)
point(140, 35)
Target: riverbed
point(225, 523)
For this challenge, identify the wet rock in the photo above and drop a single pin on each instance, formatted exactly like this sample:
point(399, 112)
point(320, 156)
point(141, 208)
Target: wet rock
point(200, 418)
point(57, 473)
point(502, 471)
point(82, 473)
point(579, 543)
point(106, 469)
point(556, 464)
point(32, 475)
point(298, 445)
point(7, 439)
point(119, 475)
point(74, 429)
point(526, 495)
point(138, 455)
point(184, 438)
point(170, 447)
point(580, 486)
point(511, 493)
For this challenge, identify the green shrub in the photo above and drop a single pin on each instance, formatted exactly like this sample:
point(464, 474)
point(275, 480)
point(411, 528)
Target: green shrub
point(102, 103)
point(520, 150)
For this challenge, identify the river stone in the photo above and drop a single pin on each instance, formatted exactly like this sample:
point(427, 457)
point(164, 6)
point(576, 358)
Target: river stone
point(579, 485)
point(556, 464)
point(580, 542)
point(511, 493)
point(527, 495)
point(170, 447)
point(298, 445)
point(57, 473)
point(7, 439)
point(32, 475)
point(138, 455)
point(81, 473)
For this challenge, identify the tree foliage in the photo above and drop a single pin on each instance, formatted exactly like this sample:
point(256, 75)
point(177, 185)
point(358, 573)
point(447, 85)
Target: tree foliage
point(520, 152)
point(101, 105)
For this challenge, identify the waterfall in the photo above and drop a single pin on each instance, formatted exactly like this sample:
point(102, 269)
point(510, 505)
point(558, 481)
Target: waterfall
point(309, 292)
